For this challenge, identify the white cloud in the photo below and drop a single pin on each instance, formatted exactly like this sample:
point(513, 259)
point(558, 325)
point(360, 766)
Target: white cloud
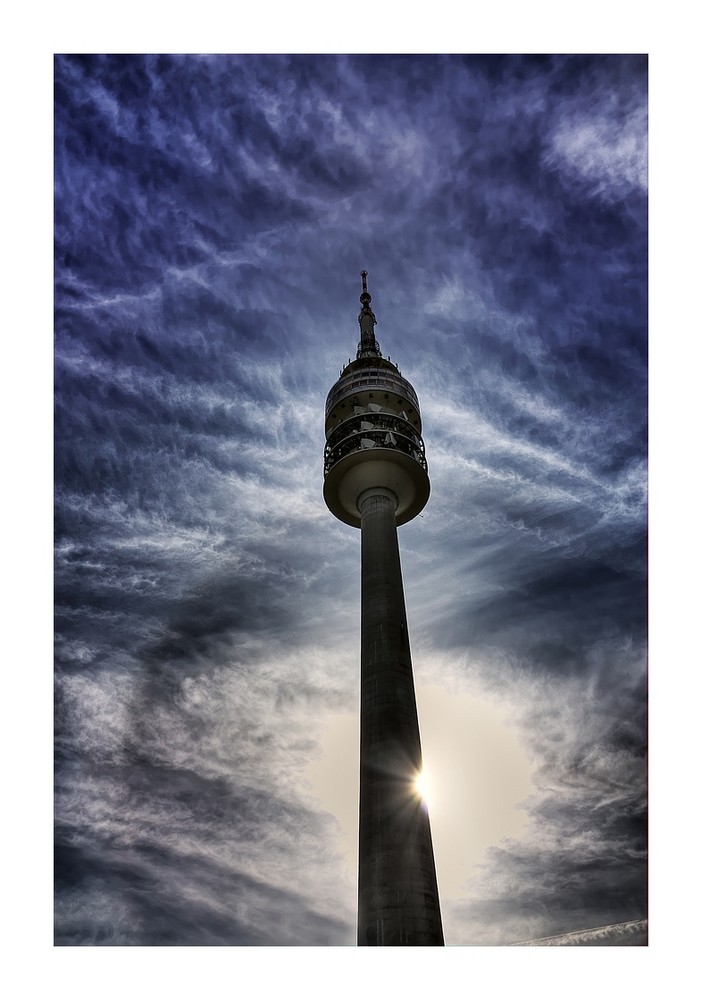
point(613, 933)
point(607, 151)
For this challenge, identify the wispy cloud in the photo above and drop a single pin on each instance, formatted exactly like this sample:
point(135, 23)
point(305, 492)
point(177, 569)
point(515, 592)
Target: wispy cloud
point(609, 934)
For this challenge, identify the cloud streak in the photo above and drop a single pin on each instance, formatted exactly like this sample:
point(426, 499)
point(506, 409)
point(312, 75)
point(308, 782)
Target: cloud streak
point(596, 935)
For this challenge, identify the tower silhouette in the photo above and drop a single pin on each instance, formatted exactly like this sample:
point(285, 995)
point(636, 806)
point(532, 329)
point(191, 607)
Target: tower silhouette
point(375, 478)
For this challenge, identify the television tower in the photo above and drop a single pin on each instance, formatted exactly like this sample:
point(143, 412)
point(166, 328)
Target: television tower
point(375, 478)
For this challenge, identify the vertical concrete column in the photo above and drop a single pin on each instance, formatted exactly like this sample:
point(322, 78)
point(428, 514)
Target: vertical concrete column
point(398, 899)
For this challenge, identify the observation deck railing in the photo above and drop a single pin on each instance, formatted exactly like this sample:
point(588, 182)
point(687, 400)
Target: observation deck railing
point(404, 439)
point(381, 421)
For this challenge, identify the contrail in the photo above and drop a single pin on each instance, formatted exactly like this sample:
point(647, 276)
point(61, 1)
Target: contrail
point(580, 937)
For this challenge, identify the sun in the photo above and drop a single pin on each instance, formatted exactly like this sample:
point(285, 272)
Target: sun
point(422, 786)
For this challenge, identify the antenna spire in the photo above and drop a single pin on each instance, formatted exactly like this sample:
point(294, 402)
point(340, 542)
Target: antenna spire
point(368, 345)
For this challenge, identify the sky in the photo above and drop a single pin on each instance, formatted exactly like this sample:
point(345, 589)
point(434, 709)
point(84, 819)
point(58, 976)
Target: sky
point(212, 217)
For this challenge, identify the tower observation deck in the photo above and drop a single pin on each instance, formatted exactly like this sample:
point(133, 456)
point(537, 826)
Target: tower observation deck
point(375, 478)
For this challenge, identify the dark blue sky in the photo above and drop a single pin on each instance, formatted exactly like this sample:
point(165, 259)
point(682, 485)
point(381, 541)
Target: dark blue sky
point(212, 216)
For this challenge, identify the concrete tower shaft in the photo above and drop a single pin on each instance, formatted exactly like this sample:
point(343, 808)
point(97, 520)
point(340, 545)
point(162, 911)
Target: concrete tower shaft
point(376, 478)
point(398, 897)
